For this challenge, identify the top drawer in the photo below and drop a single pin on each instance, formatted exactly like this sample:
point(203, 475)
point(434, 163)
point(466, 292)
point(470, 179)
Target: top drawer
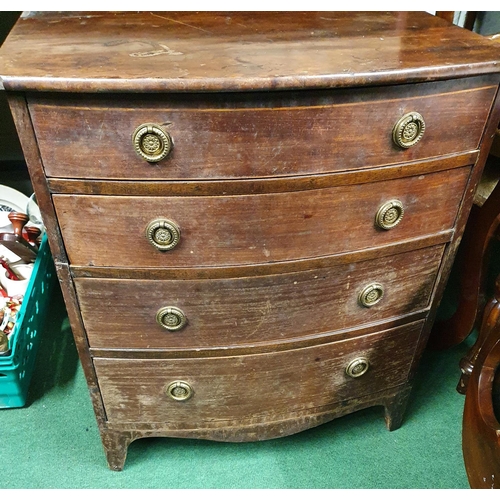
point(230, 136)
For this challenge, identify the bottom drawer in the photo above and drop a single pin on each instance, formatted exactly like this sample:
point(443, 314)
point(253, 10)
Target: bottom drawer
point(237, 391)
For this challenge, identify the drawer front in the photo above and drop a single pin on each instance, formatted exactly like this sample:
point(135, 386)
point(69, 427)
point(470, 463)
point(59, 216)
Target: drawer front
point(252, 389)
point(256, 135)
point(233, 230)
point(248, 311)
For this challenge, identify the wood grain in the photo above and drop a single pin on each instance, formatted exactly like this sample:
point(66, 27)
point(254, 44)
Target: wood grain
point(252, 311)
point(24, 126)
point(220, 51)
point(481, 419)
point(120, 435)
point(256, 135)
point(277, 227)
point(461, 222)
point(267, 347)
point(262, 185)
point(245, 390)
point(264, 269)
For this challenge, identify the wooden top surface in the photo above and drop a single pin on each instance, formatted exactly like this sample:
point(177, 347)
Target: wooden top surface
point(210, 51)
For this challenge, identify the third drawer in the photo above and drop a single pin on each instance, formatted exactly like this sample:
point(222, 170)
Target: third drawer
point(210, 313)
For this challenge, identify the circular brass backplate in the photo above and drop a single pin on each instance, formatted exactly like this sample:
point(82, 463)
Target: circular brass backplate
point(408, 130)
point(151, 142)
point(371, 294)
point(389, 214)
point(171, 318)
point(357, 367)
point(163, 234)
point(179, 390)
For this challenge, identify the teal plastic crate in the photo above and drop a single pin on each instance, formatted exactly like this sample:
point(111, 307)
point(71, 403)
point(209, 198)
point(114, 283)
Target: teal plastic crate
point(17, 368)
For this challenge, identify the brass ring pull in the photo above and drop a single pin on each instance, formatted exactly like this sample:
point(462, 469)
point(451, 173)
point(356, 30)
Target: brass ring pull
point(389, 214)
point(179, 390)
point(171, 318)
point(357, 367)
point(163, 234)
point(371, 294)
point(151, 142)
point(408, 130)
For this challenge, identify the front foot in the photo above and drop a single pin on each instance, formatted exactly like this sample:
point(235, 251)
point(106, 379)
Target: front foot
point(116, 446)
point(395, 408)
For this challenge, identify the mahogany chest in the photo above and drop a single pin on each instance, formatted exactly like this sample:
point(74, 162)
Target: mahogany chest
point(253, 215)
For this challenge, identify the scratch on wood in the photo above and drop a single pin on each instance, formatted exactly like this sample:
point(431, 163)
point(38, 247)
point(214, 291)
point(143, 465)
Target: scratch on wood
point(265, 311)
point(179, 22)
point(151, 53)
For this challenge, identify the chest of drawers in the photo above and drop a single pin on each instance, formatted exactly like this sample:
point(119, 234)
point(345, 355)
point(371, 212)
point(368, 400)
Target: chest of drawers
point(253, 215)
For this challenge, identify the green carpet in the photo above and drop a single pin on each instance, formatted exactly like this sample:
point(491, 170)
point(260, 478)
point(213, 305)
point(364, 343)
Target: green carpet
point(53, 442)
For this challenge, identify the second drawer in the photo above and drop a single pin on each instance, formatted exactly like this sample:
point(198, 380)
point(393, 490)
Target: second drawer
point(121, 313)
point(253, 229)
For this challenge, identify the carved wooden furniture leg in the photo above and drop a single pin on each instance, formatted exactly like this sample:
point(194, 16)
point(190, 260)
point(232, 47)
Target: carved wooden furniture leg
point(472, 260)
point(490, 319)
point(481, 427)
point(116, 446)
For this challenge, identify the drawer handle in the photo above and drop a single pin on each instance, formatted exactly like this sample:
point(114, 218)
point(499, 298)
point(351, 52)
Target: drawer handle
point(163, 234)
point(179, 390)
point(389, 215)
point(371, 294)
point(151, 142)
point(408, 130)
point(357, 367)
point(171, 318)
